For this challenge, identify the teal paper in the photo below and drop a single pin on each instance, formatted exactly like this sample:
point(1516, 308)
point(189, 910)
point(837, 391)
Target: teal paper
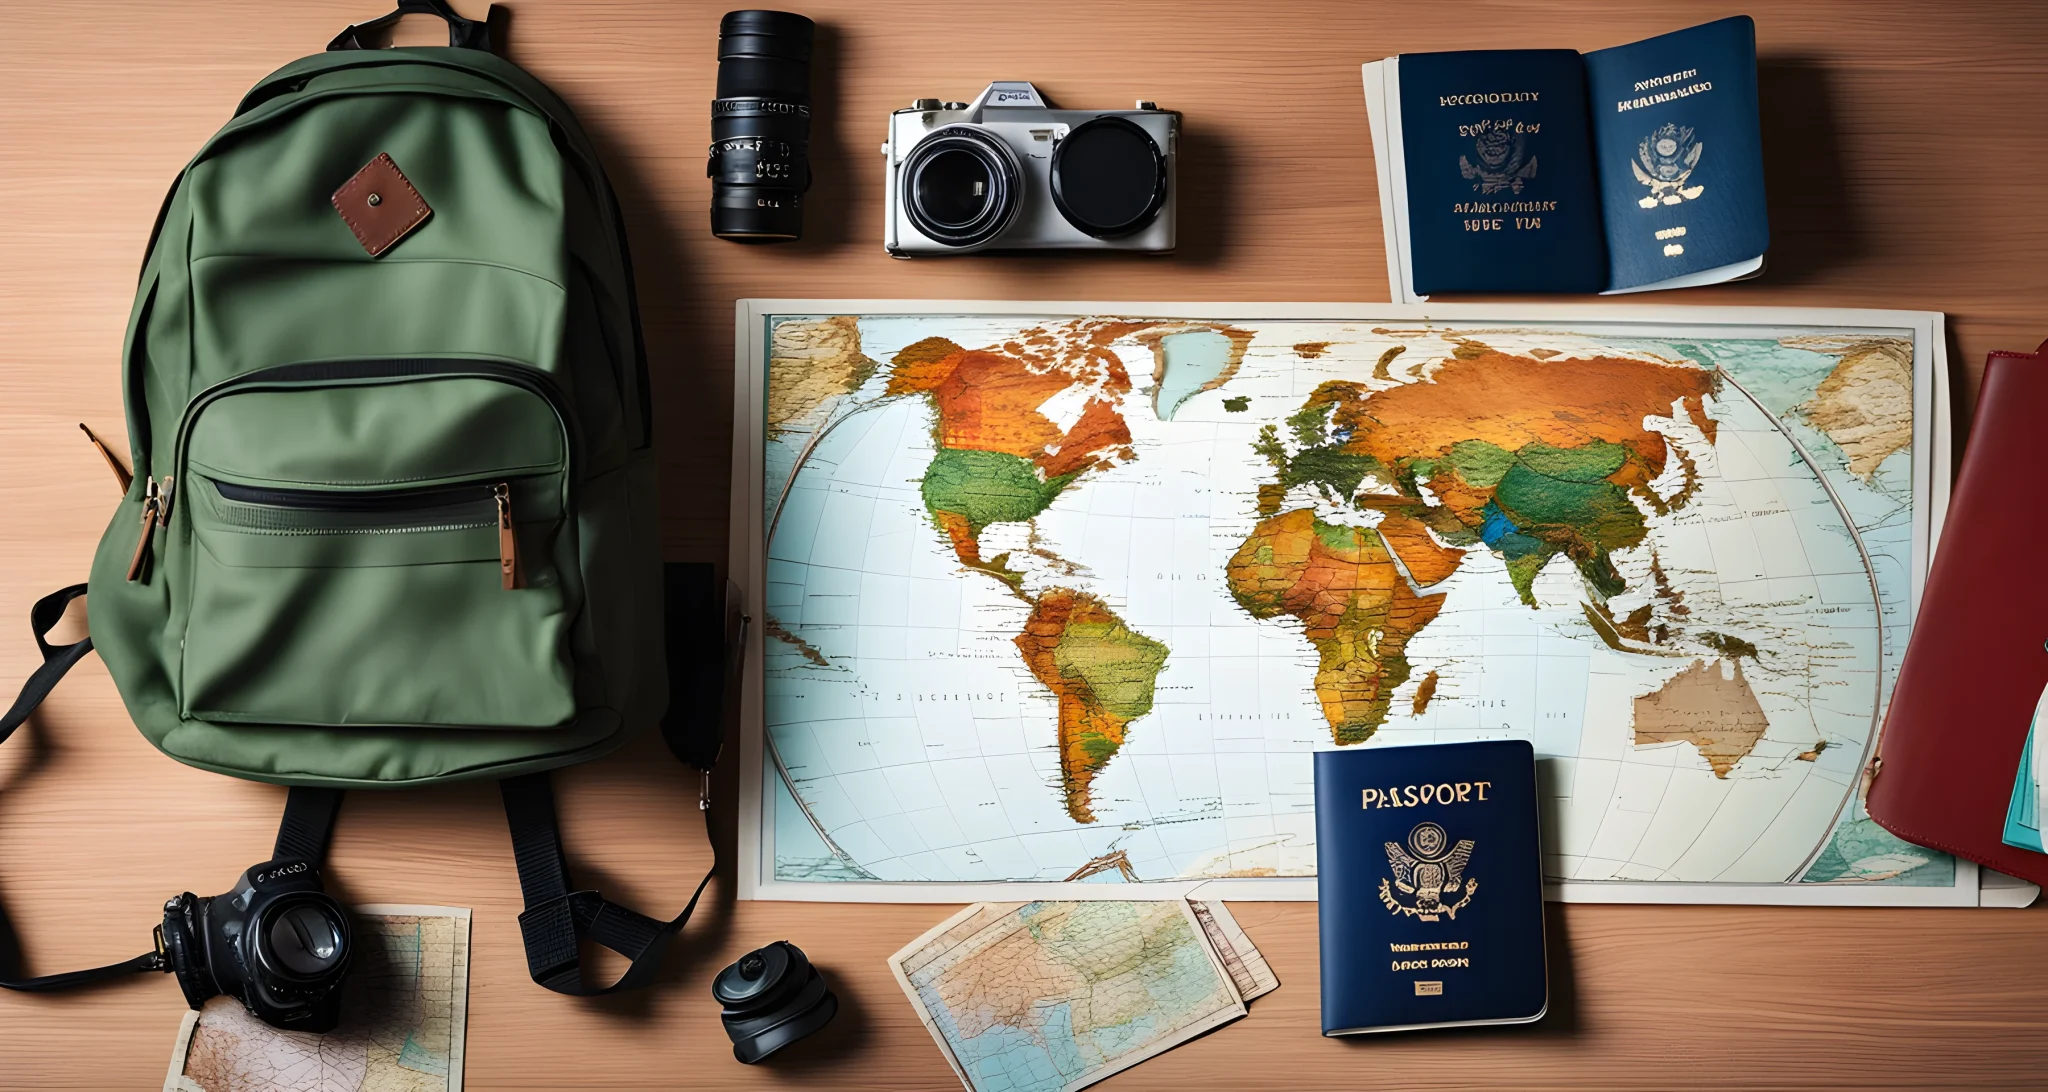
point(2023, 817)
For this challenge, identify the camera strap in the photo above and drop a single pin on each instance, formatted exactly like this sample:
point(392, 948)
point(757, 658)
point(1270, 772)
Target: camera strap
point(57, 659)
point(304, 832)
point(705, 652)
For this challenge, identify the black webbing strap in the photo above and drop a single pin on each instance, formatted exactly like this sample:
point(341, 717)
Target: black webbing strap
point(57, 659)
point(51, 983)
point(557, 919)
point(705, 634)
point(303, 833)
point(308, 823)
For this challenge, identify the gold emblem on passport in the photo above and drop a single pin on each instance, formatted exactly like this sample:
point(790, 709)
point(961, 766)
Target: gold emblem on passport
point(1427, 874)
point(1664, 161)
point(1503, 151)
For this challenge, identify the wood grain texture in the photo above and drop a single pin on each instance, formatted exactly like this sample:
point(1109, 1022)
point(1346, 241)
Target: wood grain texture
point(1905, 161)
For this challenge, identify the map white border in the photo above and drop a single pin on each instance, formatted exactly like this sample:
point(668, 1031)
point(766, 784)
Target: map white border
point(1931, 435)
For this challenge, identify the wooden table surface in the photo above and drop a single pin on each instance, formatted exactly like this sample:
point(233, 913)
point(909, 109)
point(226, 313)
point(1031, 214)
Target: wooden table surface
point(1906, 165)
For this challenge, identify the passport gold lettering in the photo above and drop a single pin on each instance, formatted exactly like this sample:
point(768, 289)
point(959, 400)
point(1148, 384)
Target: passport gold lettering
point(1664, 81)
point(1409, 796)
point(1641, 101)
point(1490, 208)
point(1487, 98)
point(1508, 125)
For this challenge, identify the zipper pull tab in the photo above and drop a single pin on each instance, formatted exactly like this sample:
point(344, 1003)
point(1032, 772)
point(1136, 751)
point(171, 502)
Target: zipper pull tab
point(121, 473)
point(508, 537)
point(163, 504)
point(152, 508)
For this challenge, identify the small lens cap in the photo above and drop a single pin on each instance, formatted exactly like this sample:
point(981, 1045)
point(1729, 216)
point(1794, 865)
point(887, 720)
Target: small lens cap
point(305, 938)
point(755, 975)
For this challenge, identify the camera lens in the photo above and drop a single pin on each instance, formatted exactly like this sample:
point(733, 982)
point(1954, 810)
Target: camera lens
point(961, 186)
point(1108, 177)
point(759, 162)
point(772, 997)
point(304, 939)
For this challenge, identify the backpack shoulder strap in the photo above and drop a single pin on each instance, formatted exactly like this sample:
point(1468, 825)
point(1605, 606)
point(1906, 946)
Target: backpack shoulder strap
point(557, 919)
point(704, 651)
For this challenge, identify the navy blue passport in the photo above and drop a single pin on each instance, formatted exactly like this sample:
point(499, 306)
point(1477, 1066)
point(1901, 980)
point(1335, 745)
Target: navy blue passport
point(1543, 170)
point(1431, 881)
point(1501, 195)
point(1681, 156)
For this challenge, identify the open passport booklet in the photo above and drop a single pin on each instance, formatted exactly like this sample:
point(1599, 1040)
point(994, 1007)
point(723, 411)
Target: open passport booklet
point(1545, 170)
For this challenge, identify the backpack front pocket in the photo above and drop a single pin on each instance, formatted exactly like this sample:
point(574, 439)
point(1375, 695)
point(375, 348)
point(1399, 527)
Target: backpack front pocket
point(376, 554)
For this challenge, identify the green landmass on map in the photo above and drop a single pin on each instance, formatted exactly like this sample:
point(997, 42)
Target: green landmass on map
point(998, 459)
point(1103, 674)
point(984, 487)
point(1530, 458)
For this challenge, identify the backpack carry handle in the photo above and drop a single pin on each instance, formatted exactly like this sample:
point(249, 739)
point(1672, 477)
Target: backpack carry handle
point(462, 33)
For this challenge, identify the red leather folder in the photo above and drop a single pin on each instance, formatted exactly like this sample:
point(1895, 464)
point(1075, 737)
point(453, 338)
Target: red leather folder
point(1976, 664)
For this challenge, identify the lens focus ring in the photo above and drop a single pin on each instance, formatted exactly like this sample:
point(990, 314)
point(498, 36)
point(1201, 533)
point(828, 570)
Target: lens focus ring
point(960, 186)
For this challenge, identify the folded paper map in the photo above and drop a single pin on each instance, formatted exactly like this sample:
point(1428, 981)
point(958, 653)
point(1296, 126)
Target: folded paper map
point(402, 1024)
point(1044, 996)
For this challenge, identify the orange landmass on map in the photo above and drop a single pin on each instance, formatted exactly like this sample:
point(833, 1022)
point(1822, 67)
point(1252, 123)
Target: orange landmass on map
point(1356, 609)
point(1708, 706)
point(1511, 401)
point(990, 399)
point(1102, 673)
point(1427, 560)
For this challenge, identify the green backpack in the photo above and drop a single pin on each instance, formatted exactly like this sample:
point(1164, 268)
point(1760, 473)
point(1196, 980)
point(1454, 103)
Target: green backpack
point(393, 515)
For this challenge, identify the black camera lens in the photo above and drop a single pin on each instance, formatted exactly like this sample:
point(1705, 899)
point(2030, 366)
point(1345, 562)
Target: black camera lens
point(961, 186)
point(303, 940)
point(759, 163)
point(1108, 177)
point(772, 997)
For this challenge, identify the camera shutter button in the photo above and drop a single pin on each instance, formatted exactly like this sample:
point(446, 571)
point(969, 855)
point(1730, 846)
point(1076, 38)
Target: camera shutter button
point(925, 104)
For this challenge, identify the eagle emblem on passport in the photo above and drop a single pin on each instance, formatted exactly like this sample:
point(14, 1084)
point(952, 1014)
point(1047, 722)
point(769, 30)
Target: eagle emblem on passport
point(1504, 162)
point(1664, 161)
point(1428, 874)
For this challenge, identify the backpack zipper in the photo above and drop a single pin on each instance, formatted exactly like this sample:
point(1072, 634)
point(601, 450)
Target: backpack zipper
point(433, 498)
point(152, 517)
point(508, 538)
point(157, 503)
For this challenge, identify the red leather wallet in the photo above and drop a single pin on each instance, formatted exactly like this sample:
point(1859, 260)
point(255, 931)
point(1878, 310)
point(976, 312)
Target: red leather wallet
point(1977, 663)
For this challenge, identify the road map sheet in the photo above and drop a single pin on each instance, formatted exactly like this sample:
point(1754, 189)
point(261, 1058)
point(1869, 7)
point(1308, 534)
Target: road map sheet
point(1058, 601)
point(1054, 996)
point(404, 1016)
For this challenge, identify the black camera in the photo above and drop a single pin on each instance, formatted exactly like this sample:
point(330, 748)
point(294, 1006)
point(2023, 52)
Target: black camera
point(277, 941)
point(772, 998)
point(760, 161)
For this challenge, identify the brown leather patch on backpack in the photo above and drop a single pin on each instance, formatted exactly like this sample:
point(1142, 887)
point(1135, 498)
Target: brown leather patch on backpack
point(380, 206)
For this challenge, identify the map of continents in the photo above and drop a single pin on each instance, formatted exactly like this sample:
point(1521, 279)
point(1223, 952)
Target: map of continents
point(1365, 501)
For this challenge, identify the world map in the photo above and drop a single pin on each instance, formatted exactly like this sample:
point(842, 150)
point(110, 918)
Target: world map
point(1075, 598)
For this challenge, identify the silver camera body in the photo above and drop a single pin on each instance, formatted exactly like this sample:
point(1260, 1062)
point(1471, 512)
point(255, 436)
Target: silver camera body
point(1009, 172)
